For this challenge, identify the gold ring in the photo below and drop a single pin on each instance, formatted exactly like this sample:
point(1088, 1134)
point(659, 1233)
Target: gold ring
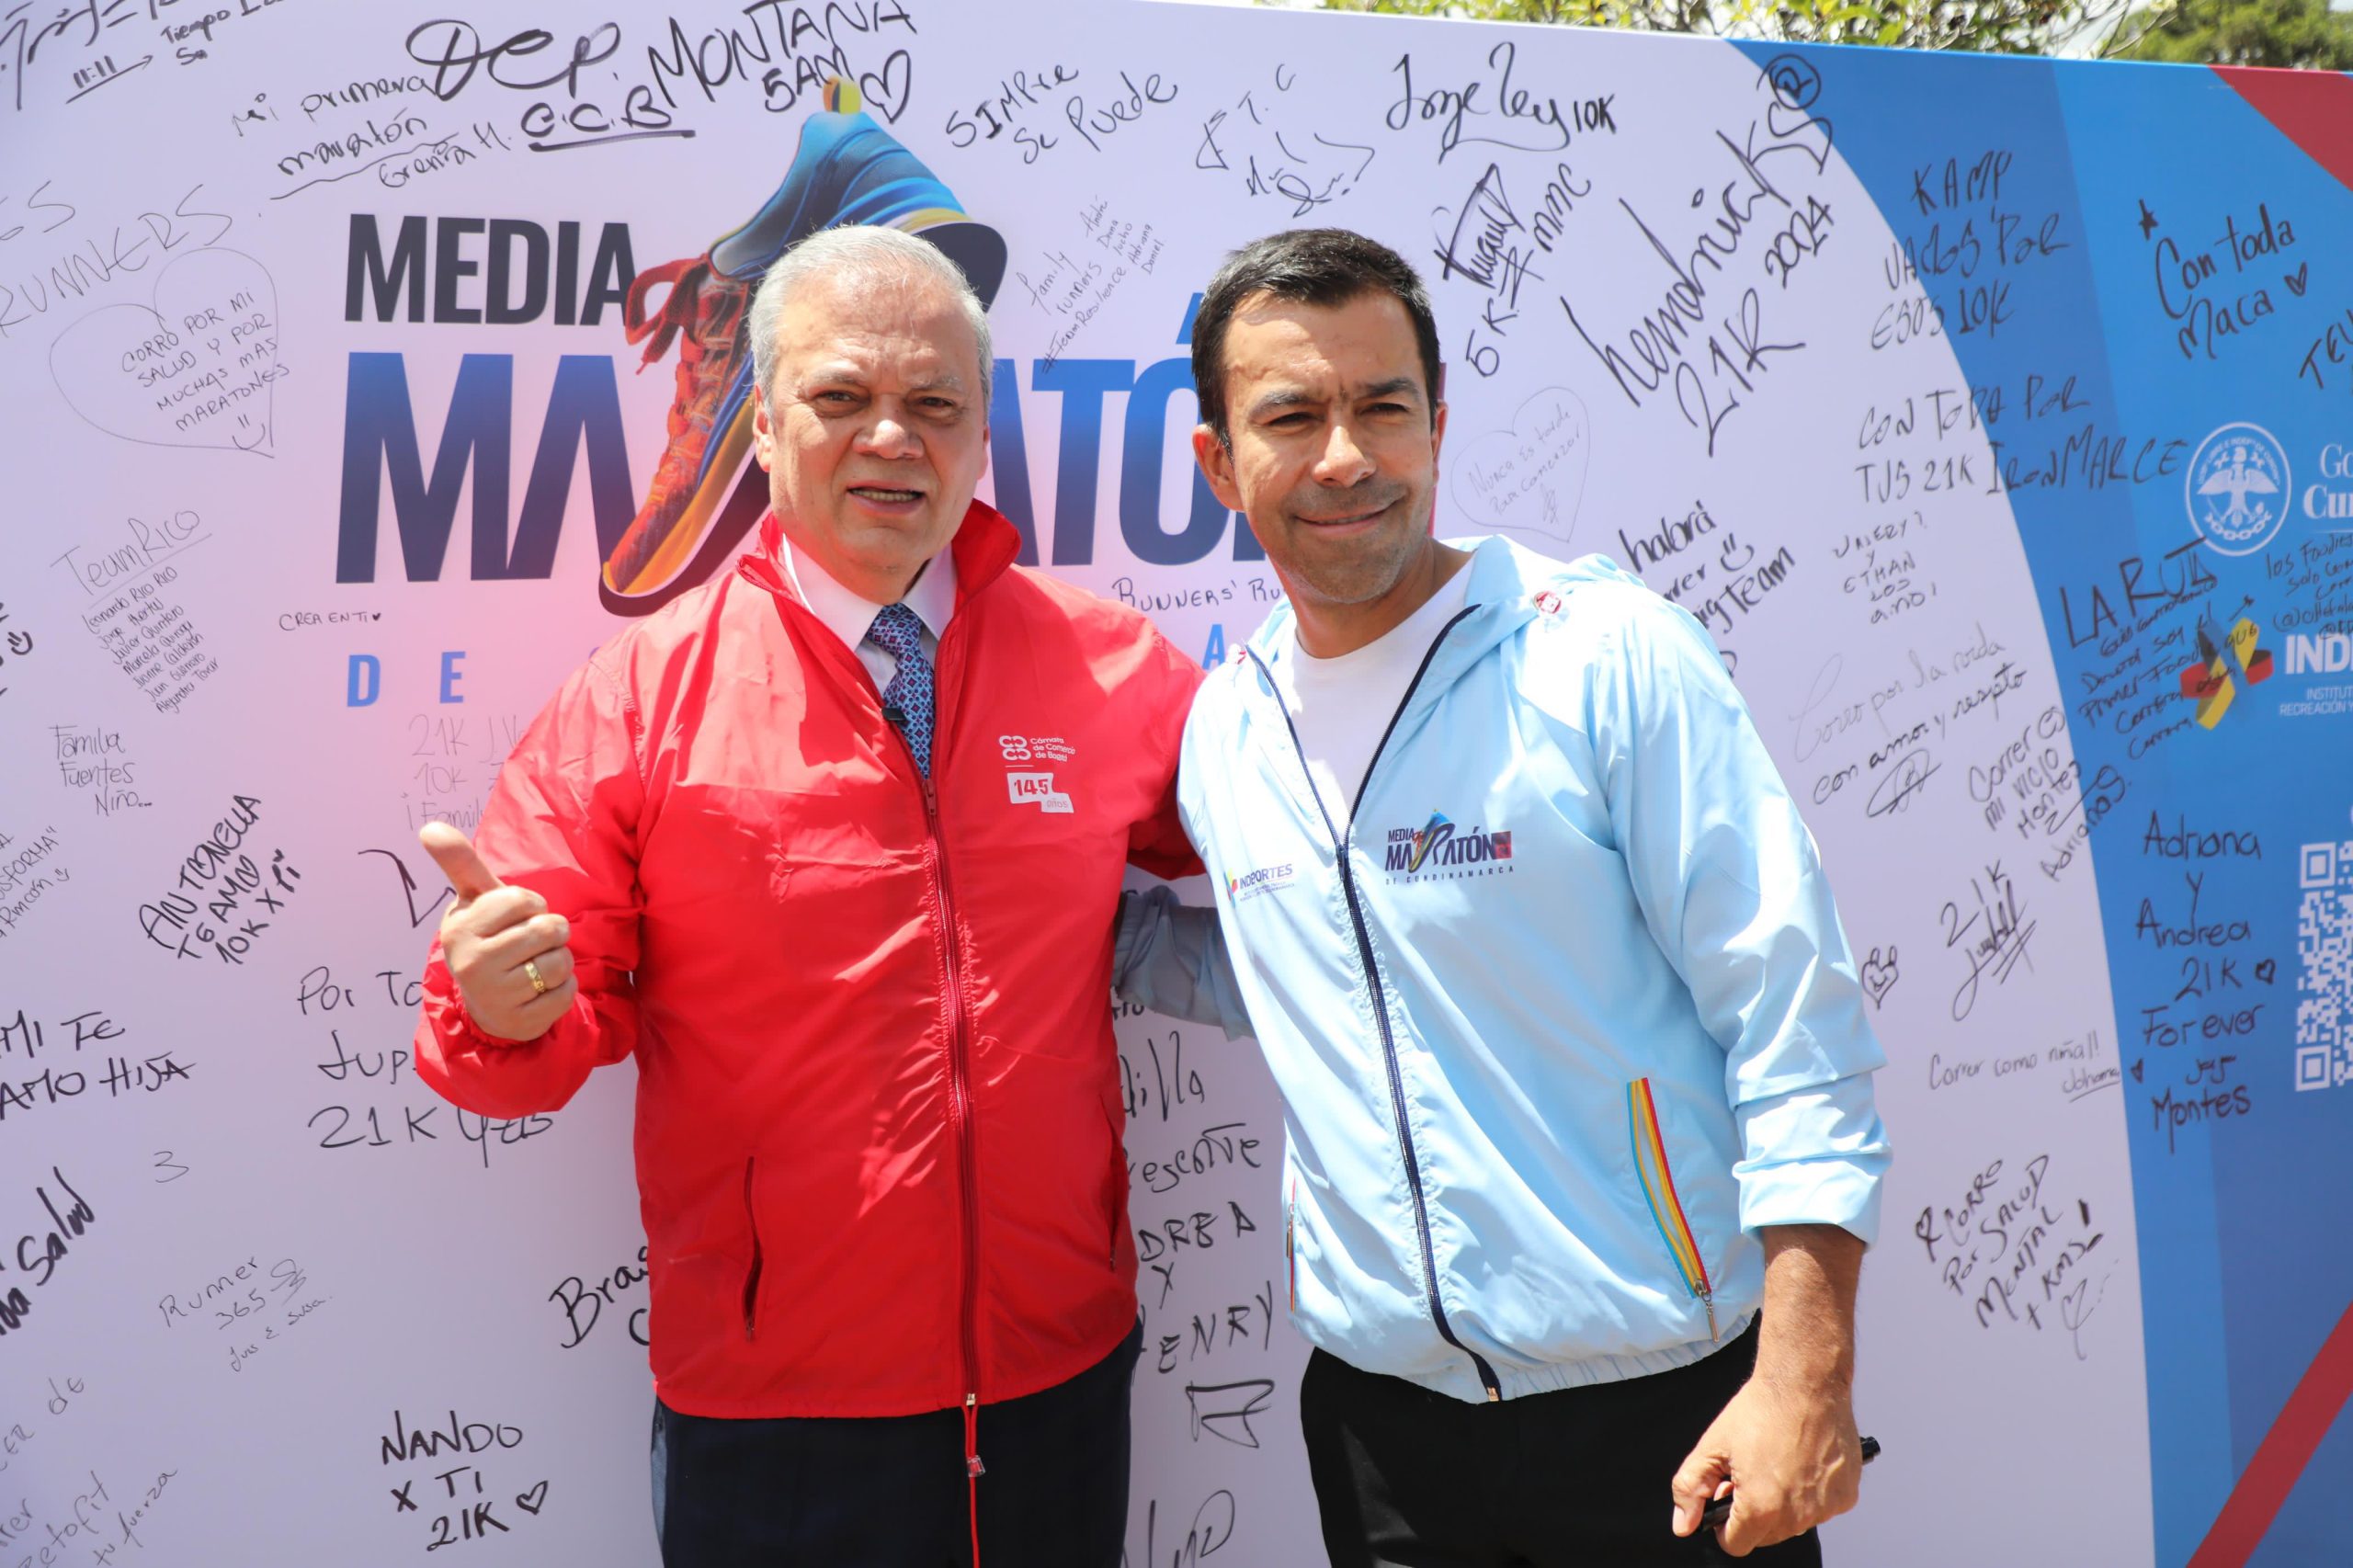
point(531, 973)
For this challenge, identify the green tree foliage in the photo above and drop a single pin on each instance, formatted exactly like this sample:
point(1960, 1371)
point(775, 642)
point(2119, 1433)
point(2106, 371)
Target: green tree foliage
point(2232, 32)
point(2304, 33)
point(2001, 26)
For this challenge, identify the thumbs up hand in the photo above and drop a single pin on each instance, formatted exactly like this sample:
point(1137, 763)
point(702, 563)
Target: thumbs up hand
point(504, 948)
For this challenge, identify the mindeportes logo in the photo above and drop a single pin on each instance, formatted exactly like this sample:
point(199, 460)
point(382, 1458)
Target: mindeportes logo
point(1266, 879)
point(1440, 845)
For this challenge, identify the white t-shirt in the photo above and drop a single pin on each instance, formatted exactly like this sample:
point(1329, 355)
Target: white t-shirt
point(1342, 707)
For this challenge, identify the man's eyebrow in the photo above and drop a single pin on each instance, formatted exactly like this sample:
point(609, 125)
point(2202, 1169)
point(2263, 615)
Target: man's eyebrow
point(841, 371)
point(1275, 402)
point(1295, 397)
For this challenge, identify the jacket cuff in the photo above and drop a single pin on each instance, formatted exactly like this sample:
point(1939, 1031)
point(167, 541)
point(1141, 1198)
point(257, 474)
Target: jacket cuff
point(1834, 1190)
point(445, 1011)
point(1814, 1156)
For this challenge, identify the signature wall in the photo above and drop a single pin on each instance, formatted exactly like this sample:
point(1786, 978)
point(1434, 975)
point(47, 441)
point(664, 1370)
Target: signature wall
point(1995, 416)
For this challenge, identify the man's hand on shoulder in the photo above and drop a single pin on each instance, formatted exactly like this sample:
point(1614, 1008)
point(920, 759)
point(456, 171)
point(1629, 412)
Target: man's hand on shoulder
point(504, 947)
point(1791, 1455)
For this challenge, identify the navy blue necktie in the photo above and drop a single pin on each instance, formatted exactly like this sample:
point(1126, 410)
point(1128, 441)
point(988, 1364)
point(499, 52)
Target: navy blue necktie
point(908, 700)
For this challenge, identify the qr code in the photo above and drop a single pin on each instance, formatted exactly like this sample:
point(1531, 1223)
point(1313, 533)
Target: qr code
point(2325, 948)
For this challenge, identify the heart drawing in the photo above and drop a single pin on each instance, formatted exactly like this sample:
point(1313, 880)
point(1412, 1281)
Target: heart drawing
point(1879, 975)
point(1530, 478)
point(876, 87)
point(197, 367)
point(532, 1501)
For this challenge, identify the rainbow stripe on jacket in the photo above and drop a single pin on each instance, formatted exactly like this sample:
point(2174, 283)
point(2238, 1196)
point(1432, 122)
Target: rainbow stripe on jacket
point(1658, 1186)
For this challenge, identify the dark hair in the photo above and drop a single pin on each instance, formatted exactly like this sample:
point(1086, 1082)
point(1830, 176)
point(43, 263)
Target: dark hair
point(1312, 266)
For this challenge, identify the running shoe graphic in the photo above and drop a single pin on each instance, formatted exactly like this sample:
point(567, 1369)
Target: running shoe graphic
point(706, 492)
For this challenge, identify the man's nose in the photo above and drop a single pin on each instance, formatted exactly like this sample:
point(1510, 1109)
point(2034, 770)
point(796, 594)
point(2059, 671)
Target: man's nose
point(890, 435)
point(1343, 461)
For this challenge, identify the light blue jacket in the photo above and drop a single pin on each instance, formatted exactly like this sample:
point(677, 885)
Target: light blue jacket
point(1575, 904)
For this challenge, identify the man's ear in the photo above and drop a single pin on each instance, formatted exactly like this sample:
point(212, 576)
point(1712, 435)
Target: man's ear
point(1217, 466)
point(763, 433)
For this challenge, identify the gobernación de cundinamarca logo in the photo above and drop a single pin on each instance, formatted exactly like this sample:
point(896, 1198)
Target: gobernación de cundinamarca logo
point(2237, 488)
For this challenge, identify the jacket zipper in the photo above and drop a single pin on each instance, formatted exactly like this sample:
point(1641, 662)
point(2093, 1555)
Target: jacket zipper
point(1340, 841)
point(1666, 1208)
point(960, 1096)
point(960, 1092)
point(960, 1100)
point(752, 1279)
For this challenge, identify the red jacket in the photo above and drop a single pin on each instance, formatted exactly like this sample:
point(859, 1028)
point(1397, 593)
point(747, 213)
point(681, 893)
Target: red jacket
point(878, 1117)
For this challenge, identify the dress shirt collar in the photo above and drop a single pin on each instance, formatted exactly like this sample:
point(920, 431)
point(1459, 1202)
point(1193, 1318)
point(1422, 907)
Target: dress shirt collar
point(848, 615)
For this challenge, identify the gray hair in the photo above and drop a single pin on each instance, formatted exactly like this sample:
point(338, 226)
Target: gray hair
point(863, 256)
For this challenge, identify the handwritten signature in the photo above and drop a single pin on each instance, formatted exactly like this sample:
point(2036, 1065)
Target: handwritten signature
point(1551, 124)
point(1993, 937)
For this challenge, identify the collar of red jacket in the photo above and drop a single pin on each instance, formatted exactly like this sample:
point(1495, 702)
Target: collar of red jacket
point(984, 545)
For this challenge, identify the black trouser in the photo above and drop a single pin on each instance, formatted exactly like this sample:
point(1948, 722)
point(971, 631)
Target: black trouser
point(843, 1493)
point(1575, 1479)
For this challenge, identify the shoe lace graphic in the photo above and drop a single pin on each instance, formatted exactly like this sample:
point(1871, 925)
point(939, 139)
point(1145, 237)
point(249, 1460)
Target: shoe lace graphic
point(700, 312)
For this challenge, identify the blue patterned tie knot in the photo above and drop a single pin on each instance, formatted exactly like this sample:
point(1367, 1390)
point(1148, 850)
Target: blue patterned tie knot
point(908, 700)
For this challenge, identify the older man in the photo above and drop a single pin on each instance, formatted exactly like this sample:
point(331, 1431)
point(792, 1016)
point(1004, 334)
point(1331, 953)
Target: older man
point(832, 846)
point(1573, 1058)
